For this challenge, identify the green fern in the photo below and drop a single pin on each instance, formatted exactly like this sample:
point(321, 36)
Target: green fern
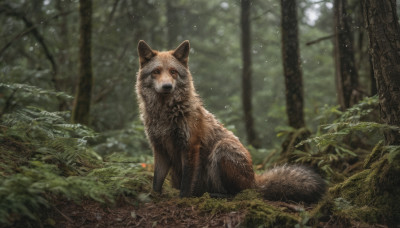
point(332, 143)
point(43, 156)
point(28, 90)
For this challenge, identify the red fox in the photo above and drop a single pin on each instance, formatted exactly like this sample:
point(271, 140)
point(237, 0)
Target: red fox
point(202, 155)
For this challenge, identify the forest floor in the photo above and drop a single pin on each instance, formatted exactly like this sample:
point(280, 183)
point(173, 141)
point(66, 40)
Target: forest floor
point(162, 214)
point(169, 213)
point(165, 213)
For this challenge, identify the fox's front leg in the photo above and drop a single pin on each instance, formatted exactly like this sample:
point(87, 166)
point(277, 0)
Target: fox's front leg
point(161, 168)
point(189, 167)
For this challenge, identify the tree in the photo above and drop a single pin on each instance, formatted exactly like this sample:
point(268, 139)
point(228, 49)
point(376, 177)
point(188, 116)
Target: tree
point(246, 73)
point(381, 21)
point(293, 80)
point(291, 64)
point(346, 71)
point(374, 192)
point(81, 109)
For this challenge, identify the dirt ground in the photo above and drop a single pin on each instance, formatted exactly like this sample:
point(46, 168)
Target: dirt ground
point(165, 213)
point(161, 214)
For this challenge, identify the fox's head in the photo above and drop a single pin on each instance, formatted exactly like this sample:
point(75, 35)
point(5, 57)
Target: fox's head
point(163, 71)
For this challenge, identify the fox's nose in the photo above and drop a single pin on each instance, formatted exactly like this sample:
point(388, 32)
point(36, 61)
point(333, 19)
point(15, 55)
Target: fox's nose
point(167, 87)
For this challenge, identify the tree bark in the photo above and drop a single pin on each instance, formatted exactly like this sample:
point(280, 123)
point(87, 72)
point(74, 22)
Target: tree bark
point(81, 109)
point(346, 71)
point(291, 64)
point(246, 74)
point(381, 21)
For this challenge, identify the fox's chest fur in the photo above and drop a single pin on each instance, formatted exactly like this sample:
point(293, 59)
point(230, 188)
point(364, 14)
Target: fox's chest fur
point(167, 125)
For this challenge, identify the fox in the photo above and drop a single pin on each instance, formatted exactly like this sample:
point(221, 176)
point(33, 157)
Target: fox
point(190, 144)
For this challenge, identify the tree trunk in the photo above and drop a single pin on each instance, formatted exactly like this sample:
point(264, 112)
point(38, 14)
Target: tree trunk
point(246, 74)
point(381, 21)
point(346, 71)
point(291, 64)
point(293, 81)
point(374, 193)
point(81, 109)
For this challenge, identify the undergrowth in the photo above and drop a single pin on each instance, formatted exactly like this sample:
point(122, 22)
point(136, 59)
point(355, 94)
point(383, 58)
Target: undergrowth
point(45, 158)
point(344, 139)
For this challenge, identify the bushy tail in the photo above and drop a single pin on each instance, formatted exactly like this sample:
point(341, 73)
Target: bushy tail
point(291, 183)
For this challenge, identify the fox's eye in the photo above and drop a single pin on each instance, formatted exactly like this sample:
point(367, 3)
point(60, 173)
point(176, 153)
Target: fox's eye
point(173, 72)
point(156, 71)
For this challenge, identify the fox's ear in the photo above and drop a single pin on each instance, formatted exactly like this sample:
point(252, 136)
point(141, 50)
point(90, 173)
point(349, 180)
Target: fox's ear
point(145, 52)
point(182, 52)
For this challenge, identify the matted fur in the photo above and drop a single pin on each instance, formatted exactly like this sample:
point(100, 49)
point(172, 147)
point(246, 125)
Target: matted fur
point(187, 140)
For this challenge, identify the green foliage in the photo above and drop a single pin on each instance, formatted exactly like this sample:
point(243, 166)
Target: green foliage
point(334, 140)
point(368, 196)
point(130, 140)
point(42, 156)
point(18, 95)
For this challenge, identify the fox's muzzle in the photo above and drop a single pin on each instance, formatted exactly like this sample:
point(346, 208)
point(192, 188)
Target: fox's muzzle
point(165, 86)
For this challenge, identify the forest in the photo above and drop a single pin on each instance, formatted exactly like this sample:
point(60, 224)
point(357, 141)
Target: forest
point(314, 83)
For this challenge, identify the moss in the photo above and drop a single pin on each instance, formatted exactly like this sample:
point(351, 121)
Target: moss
point(261, 214)
point(370, 196)
point(322, 211)
point(365, 213)
point(257, 212)
point(375, 154)
point(248, 194)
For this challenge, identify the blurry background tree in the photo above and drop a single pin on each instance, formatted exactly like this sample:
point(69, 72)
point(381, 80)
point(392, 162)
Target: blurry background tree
point(293, 78)
point(82, 102)
point(346, 72)
point(291, 64)
point(246, 72)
